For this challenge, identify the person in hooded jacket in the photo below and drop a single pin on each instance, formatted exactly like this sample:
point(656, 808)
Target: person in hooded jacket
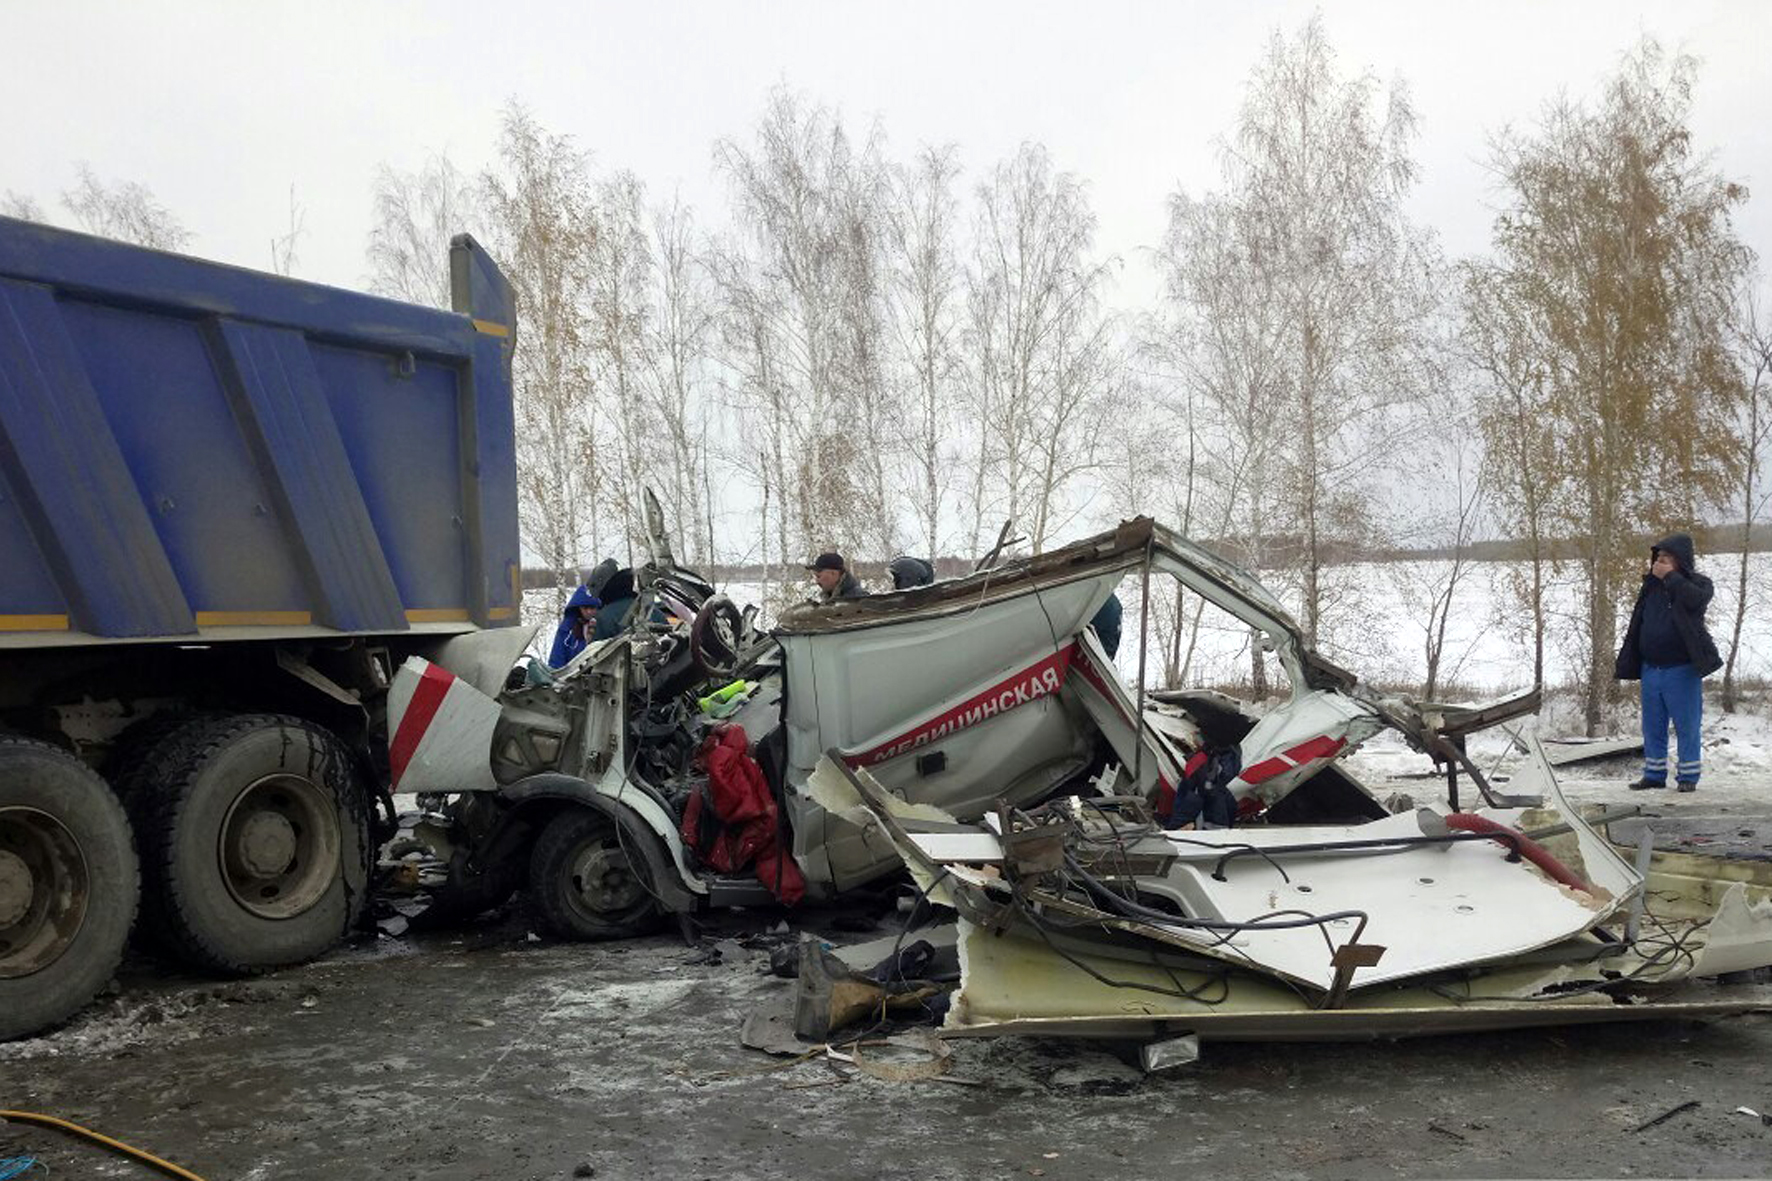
point(908, 572)
point(1668, 649)
point(576, 624)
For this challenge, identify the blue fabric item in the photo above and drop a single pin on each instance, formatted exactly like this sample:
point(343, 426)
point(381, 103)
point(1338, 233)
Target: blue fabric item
point(1107, 624)
point(1659, 640)
point(1672, 695)
point(569, 637)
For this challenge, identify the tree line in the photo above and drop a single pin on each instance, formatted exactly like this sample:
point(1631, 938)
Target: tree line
point(886, 352)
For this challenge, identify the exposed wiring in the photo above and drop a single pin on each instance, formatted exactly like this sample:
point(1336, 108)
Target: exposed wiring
point(146, 1158)
point(1671, 952)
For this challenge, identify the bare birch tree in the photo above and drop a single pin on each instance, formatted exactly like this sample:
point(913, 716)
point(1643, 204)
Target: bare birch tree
point(803, 294)
point(124, 210)
point(1317, 171)
point(926, 296)
point(285, 247)
point(416, 214)
point(21, 206)
point(1046, 364)
point(682, 333)
point(619, 331)
point(540, 202)
point(1219, 342)
point(1617, 247)
point(1527, 477)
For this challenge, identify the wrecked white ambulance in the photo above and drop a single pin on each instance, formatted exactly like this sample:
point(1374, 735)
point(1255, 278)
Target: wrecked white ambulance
point(611, 796)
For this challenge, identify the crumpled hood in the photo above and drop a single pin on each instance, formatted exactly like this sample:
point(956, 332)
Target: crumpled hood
point(1680, 546)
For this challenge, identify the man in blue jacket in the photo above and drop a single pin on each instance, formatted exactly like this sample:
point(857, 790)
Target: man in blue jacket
point(1668, 649)
point(575, 626)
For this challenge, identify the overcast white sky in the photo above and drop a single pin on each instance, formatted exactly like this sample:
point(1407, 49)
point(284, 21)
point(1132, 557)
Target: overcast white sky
point(220, 107)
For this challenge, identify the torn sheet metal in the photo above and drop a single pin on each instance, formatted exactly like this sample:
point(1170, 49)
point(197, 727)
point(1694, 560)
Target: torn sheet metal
point(1014, 985)
point(1483, 943)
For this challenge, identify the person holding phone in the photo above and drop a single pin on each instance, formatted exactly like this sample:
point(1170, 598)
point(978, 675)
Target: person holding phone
point(1670, 651)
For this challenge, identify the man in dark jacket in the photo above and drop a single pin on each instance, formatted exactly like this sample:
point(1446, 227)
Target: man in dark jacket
point(834, 580)
point(1668, 649)
point(908, 572)
point(575, 627)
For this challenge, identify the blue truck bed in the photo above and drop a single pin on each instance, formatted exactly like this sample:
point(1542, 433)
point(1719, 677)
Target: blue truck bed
point(190, 450)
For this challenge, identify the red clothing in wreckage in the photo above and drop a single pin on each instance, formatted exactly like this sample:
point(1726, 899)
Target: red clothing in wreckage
point(739, 799)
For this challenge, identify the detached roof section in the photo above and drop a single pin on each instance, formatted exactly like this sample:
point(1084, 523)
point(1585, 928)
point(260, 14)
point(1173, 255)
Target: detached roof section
point(1129, 546)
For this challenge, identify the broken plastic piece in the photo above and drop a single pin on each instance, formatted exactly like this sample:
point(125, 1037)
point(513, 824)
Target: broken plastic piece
point(1175, 1051)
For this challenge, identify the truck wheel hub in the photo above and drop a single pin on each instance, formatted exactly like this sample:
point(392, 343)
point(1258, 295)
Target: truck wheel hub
point(267, 844)
point(604, 879)
point(15, 887)
point(280, 845)
point(43, 890)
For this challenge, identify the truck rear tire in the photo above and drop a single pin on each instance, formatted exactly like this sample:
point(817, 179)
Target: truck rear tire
point(590, 879)
point(255, 843)
point(68, 885)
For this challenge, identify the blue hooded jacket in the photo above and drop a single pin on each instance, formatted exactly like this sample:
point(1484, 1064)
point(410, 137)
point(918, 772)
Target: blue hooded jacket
point(569, 637)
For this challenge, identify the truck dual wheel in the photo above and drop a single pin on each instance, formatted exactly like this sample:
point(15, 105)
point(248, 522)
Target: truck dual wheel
point(590, 878)
point(255, 842)
point(68, 885)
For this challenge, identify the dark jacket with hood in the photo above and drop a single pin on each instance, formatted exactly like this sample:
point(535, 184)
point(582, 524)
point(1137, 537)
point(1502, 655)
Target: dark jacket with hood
point(1687, 593)
point(849, 588)
point(569, 637)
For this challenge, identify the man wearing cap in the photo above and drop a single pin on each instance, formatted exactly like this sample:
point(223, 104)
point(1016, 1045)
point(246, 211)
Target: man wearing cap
point(834, 579)
point(1668, 648)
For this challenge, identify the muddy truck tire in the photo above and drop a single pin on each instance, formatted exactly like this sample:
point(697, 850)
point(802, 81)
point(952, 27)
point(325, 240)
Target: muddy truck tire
point(255, 844)
point(589, 877)
point(68, 885)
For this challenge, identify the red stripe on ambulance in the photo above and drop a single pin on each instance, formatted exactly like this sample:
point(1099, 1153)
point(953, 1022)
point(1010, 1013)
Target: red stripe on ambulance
point(427, 697)
point(1030, 684)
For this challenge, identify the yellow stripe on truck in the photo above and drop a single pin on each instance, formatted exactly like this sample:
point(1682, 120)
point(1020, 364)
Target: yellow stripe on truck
point(437, 615)
point(254, 618)
point(488, 328)
point(33, 623)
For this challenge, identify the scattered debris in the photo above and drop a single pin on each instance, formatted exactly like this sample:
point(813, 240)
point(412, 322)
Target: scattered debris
point(1688, 1105)
point(1176, 1051)
point(925, 1056)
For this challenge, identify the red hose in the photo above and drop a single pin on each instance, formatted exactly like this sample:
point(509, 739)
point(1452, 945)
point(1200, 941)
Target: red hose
point(1530, 849)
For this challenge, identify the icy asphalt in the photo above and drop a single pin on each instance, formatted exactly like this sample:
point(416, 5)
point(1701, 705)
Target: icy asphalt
point(486, 1053)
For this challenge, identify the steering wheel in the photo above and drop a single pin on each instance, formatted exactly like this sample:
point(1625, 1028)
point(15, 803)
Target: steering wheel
point(715, 638)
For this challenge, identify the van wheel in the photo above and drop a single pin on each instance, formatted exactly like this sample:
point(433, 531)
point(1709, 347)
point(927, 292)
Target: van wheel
point(590, 878)
point(255, 843)
point(68, 885)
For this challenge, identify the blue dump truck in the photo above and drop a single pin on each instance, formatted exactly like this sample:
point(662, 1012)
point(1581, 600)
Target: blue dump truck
point(231, 505)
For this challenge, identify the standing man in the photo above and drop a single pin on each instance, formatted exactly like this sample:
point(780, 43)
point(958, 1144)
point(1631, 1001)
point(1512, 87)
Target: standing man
point(834, 579)
point(1668, 648)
